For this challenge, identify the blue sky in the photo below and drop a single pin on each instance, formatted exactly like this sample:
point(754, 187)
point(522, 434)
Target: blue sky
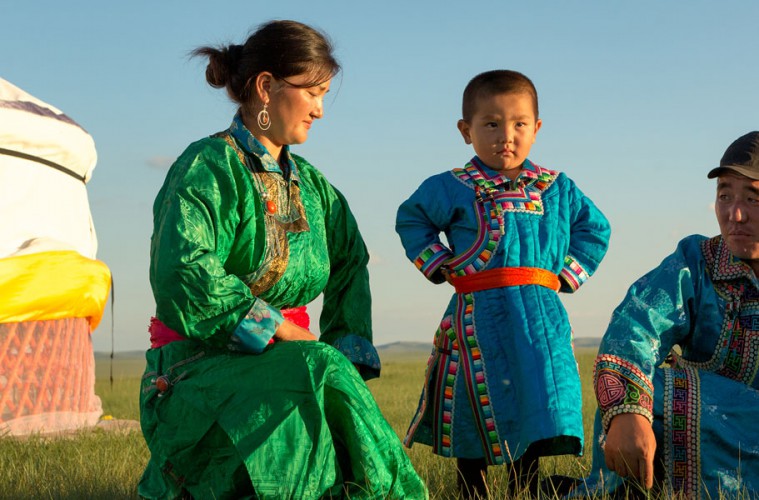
point(638, 101)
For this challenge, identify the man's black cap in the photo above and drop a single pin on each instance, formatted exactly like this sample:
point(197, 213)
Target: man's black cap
point(742, 156)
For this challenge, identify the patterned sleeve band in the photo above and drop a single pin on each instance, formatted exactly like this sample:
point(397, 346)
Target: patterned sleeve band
point(360, 352)
point(257, 328)
point(431, 258)
point(573, 273)
point(621, 388)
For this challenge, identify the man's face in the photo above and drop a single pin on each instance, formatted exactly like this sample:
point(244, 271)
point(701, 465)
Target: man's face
point(737, 209)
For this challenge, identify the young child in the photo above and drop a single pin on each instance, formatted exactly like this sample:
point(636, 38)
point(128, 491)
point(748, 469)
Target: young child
point(502, 384)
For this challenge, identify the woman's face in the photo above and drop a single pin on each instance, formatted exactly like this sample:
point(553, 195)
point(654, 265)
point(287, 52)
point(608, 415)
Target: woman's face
point(293, 109)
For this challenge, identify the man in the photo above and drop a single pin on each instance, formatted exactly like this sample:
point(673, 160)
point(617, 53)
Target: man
point(691, 425)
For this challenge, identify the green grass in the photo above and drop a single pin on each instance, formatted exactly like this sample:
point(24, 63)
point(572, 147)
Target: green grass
point(95, 464)
point(99, 464)
point(397, 393)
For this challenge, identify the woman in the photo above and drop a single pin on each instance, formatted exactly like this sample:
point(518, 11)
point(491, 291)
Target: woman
point(238, 399)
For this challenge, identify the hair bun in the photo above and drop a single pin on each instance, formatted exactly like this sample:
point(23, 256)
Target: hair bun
point(233, 53)
point(222, 63)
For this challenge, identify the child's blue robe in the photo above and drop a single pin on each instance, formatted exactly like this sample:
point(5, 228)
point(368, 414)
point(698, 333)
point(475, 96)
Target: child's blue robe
point(502, 374)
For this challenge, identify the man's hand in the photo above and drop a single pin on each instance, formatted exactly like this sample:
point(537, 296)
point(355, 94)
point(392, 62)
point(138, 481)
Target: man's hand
point(289, 331)
point(630, 446)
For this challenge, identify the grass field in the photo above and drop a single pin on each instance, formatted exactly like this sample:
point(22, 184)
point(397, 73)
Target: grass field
point(102, 464)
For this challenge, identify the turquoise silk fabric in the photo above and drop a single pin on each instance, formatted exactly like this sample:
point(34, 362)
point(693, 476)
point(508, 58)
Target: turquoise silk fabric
point(227, 413)
point(703, 401)
point(502, 374)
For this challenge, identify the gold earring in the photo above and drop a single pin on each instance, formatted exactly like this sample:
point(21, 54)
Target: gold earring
point(264, 120)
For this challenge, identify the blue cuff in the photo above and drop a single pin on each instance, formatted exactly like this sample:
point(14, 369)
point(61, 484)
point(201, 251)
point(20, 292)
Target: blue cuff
point(257, 328)
point(360, 352)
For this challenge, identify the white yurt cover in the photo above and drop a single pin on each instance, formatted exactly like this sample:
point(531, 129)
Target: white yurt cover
point(39, 201)
point(52, 290)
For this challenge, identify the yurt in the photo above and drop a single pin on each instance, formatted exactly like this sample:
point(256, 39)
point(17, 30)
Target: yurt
point(53, 291)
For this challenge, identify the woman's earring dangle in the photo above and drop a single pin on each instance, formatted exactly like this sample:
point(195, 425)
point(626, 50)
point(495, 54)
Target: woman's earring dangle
point(264, 120)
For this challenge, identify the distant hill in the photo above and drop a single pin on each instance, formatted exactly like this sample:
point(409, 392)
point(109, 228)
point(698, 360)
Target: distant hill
point(391, 349)
point(127, 355)
point(124, 364)
point(405, 347)
point(593, 342)
point(425, 347)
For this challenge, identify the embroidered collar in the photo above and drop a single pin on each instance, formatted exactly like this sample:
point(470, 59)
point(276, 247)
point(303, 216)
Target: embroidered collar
point(529, 173)
point(724, 266)
point(252, 146)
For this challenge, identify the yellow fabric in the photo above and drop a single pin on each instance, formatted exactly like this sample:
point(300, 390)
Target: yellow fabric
point(53, 285)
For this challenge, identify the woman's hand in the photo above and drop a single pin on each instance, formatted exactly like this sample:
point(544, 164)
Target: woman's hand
point(630, 446)
point(289, 331)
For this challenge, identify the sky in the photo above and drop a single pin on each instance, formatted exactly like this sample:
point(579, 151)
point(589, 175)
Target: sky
point(638, 101)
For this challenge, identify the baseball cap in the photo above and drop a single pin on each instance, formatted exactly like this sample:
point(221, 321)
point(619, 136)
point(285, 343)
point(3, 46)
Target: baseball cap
point(742, 156)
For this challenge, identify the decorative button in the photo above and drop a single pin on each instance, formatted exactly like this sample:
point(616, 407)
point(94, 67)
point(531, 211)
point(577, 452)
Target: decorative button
point(162, 383)
point(271, 207)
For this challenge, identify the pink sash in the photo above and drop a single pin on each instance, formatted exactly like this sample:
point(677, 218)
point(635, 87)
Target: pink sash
point(160, 334)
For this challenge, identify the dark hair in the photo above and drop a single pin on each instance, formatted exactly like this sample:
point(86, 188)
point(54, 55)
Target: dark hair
point(283, 48)
point(499, 81)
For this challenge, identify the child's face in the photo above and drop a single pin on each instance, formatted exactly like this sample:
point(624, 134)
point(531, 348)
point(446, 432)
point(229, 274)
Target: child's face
point(502, 131)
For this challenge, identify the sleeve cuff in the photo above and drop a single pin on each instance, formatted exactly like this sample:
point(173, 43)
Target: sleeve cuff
point(619, 410)
point(572, 275)
point(431, 259)
point(257, 328)
point(621, 388)
point(360, 352)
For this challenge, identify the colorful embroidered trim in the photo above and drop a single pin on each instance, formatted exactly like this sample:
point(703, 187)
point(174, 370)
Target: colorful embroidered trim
point(493, 196)
point(740, 351)
point(473, 369)
point(682, 424)
point(431, 258)
point(621, 388)
point(441, 369)
point(505, 276)
point(479, 254)
point(442, 421)
point(457, 354)
point(721, 264)
point(573, 273)
point(735, 356)
point(489, 232)
point(524, 194)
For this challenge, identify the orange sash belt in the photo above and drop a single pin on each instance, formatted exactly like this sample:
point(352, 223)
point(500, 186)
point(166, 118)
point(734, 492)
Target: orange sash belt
point(505, 276)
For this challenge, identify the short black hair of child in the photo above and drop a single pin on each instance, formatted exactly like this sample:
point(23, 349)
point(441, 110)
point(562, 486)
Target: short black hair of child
point(498, 81)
